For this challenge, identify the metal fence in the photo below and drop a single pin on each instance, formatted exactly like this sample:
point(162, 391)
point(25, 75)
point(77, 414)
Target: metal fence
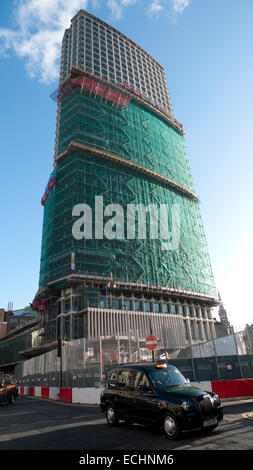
point(85, 363)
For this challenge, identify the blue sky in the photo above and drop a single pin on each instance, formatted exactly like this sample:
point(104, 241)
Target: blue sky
point(205, 47)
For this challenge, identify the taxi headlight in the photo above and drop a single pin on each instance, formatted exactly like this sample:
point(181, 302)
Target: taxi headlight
point(215, 400)
point(186, 405)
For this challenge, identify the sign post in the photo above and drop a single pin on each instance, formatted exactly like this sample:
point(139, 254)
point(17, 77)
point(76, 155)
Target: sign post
point(151, 344)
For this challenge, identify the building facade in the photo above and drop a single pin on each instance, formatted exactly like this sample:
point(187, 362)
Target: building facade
point(12, 320)
point(120, 165)
point(96, 47)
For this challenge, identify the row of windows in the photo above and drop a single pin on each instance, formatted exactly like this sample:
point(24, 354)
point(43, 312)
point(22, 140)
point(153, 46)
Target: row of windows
point(141, 305)
point(101, 54)
point(120, 48)
point(119, 55)
point(125, 69)
point(113, 37)
point(195, 331)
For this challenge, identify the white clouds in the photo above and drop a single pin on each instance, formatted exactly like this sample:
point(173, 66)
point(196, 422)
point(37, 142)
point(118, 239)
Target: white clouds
point(155, 7)
point(117, 7)
point(179, 5)
point(40, 24)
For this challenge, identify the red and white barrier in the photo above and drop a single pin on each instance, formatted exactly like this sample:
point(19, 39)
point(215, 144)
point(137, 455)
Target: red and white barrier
point(91, 396)
point(228, 388)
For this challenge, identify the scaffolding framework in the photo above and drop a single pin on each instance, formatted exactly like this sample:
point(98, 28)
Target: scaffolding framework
point(128, 155)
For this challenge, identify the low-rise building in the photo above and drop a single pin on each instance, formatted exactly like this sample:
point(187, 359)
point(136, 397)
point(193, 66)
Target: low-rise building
point(11, 320)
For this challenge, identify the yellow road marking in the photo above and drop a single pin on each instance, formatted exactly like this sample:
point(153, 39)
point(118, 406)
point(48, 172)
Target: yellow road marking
point(248, 415)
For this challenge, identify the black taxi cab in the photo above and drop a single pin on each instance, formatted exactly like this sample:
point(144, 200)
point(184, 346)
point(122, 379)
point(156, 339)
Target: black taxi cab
point(8, 389)
point(158, 394)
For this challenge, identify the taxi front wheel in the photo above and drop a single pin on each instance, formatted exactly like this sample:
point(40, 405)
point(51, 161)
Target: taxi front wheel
point(111, 416)
point(12, 399)
point(171, 426)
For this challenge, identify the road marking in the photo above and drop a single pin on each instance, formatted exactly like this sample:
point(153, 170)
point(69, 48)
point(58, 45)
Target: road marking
point(15, 413)
point(34, 432)
point(248, 415)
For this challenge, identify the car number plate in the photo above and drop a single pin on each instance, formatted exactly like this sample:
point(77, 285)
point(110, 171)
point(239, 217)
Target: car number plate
point(210, 422)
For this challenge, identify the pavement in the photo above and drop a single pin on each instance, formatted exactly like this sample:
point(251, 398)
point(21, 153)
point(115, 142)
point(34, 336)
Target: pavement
point(235, 401)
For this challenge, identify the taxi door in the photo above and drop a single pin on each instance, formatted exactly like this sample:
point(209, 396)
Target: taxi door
point(145, 404)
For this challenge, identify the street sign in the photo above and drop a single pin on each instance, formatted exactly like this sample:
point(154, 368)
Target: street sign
point(151, 342)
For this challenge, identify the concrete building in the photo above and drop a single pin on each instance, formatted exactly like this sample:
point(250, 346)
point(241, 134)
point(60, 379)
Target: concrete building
point(117, 143)
point(95, 47)
point(248, 338)
point(13, 320)
point(3, 323)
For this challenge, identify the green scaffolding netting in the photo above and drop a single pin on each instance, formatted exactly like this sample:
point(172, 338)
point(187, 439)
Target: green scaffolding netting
point(139, 135)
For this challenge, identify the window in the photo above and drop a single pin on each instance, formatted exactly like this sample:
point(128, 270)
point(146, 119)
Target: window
point(187, 311)
point(124, 379)
point(186, 330)
point(181, 310)
point(163, 379)
point(127, 304)
point(116, 304)
point(137, 305)
point(205, 330)
point(200, 336)
point(140, 380)
point(67, 306)
point(173, 309)
point(103, 303)
point(76, 303)
point(147, 307)
point(193, 330)
point(156, 307)
point(165, 308)
point(113, 379)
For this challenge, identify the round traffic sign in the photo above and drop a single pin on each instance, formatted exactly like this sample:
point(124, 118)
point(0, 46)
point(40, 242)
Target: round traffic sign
point(151, 342)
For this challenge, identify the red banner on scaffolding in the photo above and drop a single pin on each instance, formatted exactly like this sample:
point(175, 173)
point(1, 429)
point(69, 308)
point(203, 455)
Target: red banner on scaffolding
point(99, 89)
point(122, 100)
point(38, 305)
point(95, 87)
point(50, 185)
point(110, 94)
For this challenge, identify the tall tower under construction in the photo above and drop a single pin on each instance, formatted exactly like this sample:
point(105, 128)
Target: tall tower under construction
point(123, 246)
